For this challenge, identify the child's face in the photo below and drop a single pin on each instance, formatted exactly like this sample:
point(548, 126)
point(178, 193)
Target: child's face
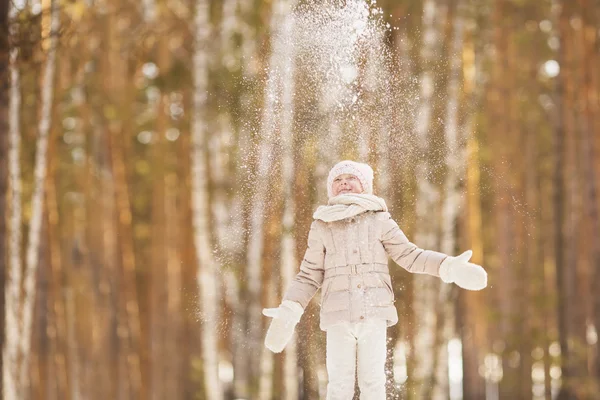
point(346, 183)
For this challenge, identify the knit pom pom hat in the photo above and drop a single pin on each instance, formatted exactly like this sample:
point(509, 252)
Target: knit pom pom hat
point(363, 172)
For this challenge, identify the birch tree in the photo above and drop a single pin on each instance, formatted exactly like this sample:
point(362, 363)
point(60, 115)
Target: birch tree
point(427, 201)
point(14, 273)
point(282, 75)
point(288, 242)
point(455, 162)
point(266, 160)
point(237, 15)
point(31, 264)
point(228, 211)
point(207, 268)
point(455, 152)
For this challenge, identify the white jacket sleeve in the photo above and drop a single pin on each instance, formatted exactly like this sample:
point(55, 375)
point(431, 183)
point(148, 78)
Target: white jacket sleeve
point(309, 279)
point(407, 254)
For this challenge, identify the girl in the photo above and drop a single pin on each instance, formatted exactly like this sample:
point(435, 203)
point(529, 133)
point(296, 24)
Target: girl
point(349, 243)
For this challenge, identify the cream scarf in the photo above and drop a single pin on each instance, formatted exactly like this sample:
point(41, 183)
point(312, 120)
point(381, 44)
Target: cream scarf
point(349, 205)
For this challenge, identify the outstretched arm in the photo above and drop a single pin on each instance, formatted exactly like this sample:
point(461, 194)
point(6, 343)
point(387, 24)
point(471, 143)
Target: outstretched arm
point(450, 269)
point(406, 254)
point(303, 288)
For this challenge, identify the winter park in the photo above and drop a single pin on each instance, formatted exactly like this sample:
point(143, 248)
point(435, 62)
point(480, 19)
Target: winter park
point(300, 199)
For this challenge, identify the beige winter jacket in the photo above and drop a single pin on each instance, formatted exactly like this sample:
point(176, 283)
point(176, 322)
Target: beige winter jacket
point(349, 260)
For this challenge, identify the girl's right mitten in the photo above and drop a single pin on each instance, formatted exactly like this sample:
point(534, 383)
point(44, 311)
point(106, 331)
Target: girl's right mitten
point(285, 317)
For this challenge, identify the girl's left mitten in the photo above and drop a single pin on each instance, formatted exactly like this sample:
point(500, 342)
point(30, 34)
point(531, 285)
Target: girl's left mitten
point(465, 274)
point(285, 317)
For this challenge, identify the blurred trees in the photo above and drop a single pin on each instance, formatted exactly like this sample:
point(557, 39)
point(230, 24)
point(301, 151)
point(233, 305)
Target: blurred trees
point(181, 179)
point(4, 100)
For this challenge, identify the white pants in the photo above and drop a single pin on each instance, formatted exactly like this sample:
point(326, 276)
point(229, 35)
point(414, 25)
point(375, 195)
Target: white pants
point(361, 344)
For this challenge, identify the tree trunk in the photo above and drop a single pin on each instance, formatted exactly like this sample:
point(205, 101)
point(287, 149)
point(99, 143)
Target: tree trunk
point(228, 211)
point(282, 73)
point(544, 252)
point(453, 201)
point(158, 317)
point(232, 286)
point(399, 168)
point(191, 325)
point(289, 264)
point(10, 354)
point(575, 254)
point(236, 332)
point(425, 287)
point(4, 132)
point(72, 344)
point(472, 335)
point(37, 207)
point(173, 283)
point(503, 127)
point(207, 268)
point(527, 281)
point(470, 305)
point(559, 213)
point(41, 324)
point(588, 152)
point(256, 241)
point(129, 319)
point(249, 64)
point(56, 313)
point(266, 161)
point(101, 236)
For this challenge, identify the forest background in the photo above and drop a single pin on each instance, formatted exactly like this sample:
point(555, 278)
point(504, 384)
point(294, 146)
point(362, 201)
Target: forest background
point(160, 161)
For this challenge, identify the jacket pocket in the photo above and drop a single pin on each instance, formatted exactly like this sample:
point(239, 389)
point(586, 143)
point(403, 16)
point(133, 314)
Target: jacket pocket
point(387, 282)
point(378, 291)
point(337, 294)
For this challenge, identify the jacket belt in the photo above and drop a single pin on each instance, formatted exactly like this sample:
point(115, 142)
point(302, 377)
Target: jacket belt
point(354, 269)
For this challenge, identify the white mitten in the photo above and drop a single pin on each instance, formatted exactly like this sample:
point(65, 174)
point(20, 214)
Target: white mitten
point(465, 274)
point(285, 317)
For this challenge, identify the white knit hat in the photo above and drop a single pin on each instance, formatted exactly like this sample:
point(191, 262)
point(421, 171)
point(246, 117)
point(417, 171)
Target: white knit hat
point(363, 172)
